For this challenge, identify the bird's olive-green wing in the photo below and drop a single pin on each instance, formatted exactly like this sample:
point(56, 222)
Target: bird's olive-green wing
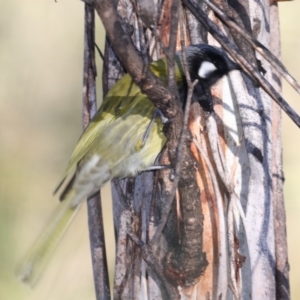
point(113, 106)
point(160, 69)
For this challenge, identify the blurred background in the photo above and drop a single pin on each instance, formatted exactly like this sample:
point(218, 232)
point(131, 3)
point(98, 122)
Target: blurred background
point(40, 113)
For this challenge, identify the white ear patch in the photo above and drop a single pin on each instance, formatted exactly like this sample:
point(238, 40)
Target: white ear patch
point(206, 68)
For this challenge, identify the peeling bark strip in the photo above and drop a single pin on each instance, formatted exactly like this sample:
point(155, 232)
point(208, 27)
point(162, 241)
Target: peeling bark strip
point(282, 264)
point(224, 237)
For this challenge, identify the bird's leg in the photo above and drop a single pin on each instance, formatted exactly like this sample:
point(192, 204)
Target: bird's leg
point(156, 168)
point(172, 174)
point(156, 113)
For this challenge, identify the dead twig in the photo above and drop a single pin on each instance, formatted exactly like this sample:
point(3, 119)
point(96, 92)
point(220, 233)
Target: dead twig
point(260, 48)
point(96, 232)
point(171, 50)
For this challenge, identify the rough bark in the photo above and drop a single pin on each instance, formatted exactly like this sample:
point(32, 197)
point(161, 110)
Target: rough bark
point(89, 108)
point(225, 233)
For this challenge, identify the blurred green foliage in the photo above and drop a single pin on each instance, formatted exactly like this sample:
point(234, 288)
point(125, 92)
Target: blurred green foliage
point(40, 111)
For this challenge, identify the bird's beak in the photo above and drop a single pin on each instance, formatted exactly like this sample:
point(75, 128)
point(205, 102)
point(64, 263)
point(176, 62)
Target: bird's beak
point(234, 66)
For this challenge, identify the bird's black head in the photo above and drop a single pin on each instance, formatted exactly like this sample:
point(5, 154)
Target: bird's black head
point(208, 64)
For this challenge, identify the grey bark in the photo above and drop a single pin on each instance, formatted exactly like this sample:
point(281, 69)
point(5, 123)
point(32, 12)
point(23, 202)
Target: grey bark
point(238, 186)
point(89, 108)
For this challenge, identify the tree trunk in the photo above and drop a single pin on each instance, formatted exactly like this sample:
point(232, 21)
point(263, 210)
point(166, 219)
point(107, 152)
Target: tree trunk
point(225, 235)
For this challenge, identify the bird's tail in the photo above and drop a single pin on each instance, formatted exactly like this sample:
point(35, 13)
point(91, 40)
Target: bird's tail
point(30, 270)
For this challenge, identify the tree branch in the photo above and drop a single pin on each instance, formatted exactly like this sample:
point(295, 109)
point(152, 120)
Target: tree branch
point(260, 48)
point(95, 221)
point(140, 73)
point(170, 55)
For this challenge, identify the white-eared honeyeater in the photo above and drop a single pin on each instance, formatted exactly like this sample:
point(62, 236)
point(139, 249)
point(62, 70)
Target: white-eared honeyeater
point(114, 143)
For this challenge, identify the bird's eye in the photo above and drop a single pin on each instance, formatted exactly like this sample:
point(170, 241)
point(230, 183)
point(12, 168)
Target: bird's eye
point(205, 69)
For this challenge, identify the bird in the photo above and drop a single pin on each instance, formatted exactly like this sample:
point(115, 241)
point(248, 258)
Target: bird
point(123, 138)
